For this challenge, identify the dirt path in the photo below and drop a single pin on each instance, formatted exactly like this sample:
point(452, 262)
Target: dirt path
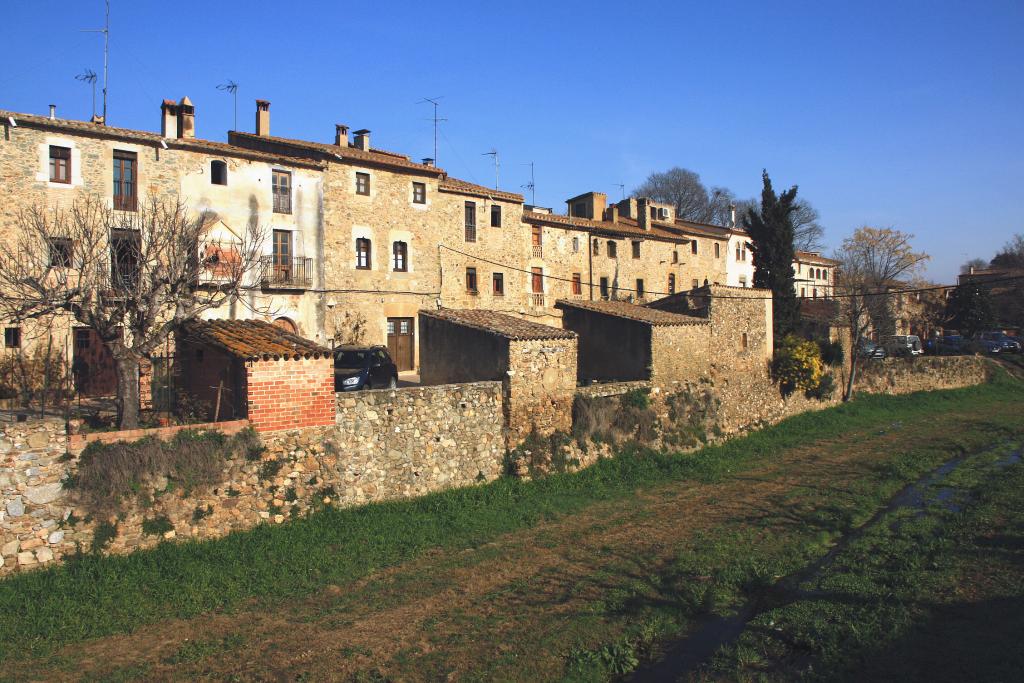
point(507, 609)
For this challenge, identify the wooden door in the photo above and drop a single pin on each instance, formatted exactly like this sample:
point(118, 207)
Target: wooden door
point(401, 343)
point(92, 366)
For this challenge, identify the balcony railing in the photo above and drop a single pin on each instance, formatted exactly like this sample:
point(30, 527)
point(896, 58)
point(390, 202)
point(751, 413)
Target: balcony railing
point(291, 273)
point(537, 300)
point(538, 251)
point(282, 202)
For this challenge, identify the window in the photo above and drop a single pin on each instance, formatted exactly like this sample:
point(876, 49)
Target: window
point(814, 293)
point(671, 283)
point(743, 280)
point(125, 180)
point(281, 261)
point(363, 253)
point(498, 284)
point(12, 337)
point(218, 173)
point(537, 240)
point(537, 280)
point(718, 250)
point(83, 338)
point(363, 184)
point(604, 288)
point(471, 221)
point(636, 248)
point(639, 289)
point(694, 284)
point(675, 257)
point(597, 247)
point(282, 190)
point(399, 257)
point(577, 284)
point(743, 341)
point(575, 245)
point(824, 275)
point(419, 193)
point(495, 215)
point(125, 247)
point(580, 209)
point(693, 247)
point(612, 249)
point(60, 252)
point(60, 164)
point(738, 251)
point(802, 292)
point(471, 280)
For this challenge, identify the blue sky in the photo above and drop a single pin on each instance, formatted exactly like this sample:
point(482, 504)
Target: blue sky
point(904, 114)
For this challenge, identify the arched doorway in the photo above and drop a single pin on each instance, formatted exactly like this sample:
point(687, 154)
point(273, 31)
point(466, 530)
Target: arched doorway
point(286, 324)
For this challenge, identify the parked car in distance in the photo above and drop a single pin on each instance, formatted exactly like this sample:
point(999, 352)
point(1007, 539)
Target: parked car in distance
point(869, 349)
point(952, 344)
point(996, 342)
point(903, 345)
point(363, 367)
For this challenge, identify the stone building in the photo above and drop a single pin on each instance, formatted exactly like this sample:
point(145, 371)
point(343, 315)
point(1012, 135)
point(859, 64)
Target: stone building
point(814, 275)
point(535, 363)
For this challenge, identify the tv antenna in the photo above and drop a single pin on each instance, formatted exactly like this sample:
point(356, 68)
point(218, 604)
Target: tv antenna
point(232, 88)
point(493, 153)
point(530, 185)
point(436, 120)
point(89, 76)
point(622, 188)
point(106, 55)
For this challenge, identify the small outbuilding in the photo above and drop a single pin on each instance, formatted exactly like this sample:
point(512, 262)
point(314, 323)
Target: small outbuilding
point(252, 369)
point(535, 363)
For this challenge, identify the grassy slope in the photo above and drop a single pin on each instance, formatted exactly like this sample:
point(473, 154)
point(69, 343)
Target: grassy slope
point(98, 596)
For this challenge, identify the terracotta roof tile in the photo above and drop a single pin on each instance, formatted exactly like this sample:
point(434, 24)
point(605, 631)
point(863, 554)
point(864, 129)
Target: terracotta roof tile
point(374, 156)
point(449, 184)
point(622, 309)
point(252, 340)
point(501, 324)
point(812, 257)
point(623, 228)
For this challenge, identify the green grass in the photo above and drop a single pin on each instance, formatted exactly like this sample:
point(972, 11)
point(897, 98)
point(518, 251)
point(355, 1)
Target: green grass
point(96, 596)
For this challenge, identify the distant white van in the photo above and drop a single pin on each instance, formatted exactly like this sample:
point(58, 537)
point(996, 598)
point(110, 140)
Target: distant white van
point(903, 345)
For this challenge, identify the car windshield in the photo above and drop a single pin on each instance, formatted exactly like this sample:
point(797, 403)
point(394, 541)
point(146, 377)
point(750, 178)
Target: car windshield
point(353, 359)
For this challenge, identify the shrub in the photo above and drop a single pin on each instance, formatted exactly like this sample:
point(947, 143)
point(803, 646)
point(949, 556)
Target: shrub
point(826, 387)
point(797, 364)
point(612, 420)
point(540, 454)
point(636, 398)
point(831, 352)
point(157, 526)
point(104, 533)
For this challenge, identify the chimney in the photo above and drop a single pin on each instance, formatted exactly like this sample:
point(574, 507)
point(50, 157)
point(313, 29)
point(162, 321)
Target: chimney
point(263, 118)
point(169, 119)
point(53, 111)
point(732, 215)
point(341, 135)
point(363, 139)
point(428, 161)
point(613, 213)
point(643, 212)
point(972, 270)
point(186, 118)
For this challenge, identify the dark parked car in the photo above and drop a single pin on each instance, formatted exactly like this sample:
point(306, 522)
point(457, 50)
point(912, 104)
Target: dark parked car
point(869, 349)
point(996, 342)
point(952, 344)
point(363, 367)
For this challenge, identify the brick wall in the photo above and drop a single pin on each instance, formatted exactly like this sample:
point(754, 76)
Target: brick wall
point(290, 394)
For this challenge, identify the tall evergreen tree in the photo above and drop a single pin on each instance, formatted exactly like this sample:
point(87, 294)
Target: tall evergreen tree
point(771, 235)
point(970, 309)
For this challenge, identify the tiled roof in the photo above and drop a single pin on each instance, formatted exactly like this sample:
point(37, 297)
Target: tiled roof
point(624, 227)
point(373, 156)
point(622, 309)
point(193, 144)
point(449, 184)
point(809, 257)
point(252, 340)
point(703, 229)
point(821, 310)
point(502, 324)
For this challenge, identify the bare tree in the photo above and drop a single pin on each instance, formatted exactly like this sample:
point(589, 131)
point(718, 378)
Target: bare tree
point(131, 276)
point(808, 234)
point(1012, 253)
point(683, 189)
point(871, 261)
point(974, 263)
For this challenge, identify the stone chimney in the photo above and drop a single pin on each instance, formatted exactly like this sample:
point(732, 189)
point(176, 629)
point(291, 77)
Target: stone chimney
point(613, 213)
point(186, 118)
point(169, 119)
point(263, 118)
point(428, 161)
point(341, 135)
point(53, 112)
point(643, 212)
point(362, 139)
point(732, 215)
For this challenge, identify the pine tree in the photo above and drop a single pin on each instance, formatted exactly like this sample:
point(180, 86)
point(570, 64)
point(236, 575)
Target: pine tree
point(771, 234)
point(970, 309)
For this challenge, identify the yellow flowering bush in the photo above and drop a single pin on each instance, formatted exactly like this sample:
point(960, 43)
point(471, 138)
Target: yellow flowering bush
point(797, 364)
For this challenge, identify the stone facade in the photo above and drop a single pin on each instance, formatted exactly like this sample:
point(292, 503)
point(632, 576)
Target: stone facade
point(540, 384)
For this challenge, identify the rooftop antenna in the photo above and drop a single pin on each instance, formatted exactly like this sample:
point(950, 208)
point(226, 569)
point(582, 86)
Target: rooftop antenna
point(531, 186)
point(89, 76)
point(436, 120)
point(106, 54)
point(622, 188)
point(493, 153)
point(232, 88)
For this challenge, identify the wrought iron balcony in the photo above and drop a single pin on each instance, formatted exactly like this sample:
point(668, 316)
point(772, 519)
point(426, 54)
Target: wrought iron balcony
point(538, 251)
point(537, 300)
point(287, 273)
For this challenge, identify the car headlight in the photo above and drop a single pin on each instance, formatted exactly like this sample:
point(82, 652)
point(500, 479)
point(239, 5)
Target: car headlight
point(350, 381)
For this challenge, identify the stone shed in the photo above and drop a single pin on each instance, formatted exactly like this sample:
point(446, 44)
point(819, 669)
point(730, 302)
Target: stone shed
point(535, 363)
point(620, 341)
point(253, 369)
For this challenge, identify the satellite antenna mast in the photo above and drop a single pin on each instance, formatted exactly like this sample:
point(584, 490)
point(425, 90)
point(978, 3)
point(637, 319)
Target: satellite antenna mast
point(493, 153)
point(531, 186)
point(231, 87)
point(622, 188)
point(106, 55)
point(89, 76)
point(436, 120)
